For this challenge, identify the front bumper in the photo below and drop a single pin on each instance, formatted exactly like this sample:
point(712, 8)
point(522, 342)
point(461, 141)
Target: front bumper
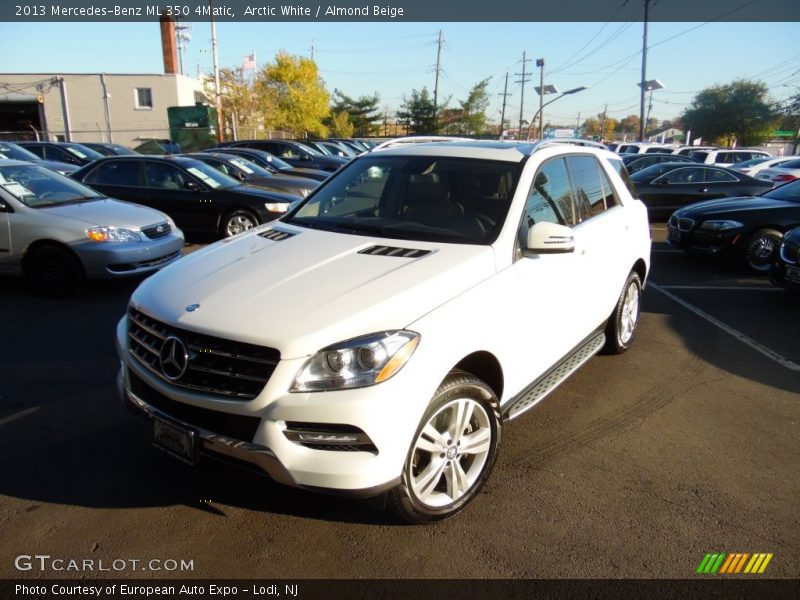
point(112, 260)
point(786, 276)
point(701, 240)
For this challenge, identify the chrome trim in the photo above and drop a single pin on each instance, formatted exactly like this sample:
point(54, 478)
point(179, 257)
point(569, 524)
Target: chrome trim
point(260, 456)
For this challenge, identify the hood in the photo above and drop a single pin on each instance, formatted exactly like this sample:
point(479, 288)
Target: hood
point(252, 190)
point(305, 173)
point(309, 290)
point(289, 185)
point(108, 212)
point(731, 206)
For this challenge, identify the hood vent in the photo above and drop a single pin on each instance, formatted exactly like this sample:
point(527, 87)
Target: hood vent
point(276, 235)
point(391, 251)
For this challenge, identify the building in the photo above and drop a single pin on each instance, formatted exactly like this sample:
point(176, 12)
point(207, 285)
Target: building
point(122, 108)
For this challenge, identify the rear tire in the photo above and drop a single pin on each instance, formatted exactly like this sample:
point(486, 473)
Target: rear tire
point(757, 253)
point(237, 221)
point(54, 271)
point(454, 450)
point(623, 322)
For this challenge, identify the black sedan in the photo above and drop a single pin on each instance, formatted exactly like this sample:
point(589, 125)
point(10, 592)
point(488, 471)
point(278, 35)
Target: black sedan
point(68, 152)
point(198, 197)
point(250, 173)
point(668, 186)
point(786, 270)
point(272, 163)
point(748, 228)
point(296, 154)
point(109, 149)
point(14, 152)
point(637, 162)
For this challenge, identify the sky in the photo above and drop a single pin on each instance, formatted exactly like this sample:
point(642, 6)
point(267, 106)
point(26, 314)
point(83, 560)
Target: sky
point(393, 58)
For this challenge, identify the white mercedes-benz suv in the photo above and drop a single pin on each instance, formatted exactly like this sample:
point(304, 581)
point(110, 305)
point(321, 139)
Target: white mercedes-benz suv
point(376, 337)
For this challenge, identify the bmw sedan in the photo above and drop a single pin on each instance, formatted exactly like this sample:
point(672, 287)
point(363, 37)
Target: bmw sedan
point(748, 228)
point(667, 187)
point(200, 199)
point(786, 270)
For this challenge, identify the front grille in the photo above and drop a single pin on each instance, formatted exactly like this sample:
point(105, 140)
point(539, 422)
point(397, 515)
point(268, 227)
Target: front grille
point(218, 367)
point(391, 251)
point(239, 427)
point(157, 231)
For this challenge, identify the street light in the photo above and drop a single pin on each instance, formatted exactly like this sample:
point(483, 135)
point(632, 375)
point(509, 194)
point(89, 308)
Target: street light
point(539, 112)
point(647, 86)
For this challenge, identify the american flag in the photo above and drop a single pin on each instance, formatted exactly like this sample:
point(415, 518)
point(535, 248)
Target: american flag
point(249, 62)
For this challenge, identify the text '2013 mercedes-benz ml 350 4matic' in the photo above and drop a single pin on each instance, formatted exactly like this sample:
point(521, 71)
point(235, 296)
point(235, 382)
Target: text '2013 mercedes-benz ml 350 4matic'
point(375, 338)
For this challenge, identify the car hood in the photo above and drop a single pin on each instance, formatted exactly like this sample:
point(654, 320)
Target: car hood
point(732, 205)
point(309, 290)
point(288, 184)
point(301, 171)
point(109, 212)
point(252, 190)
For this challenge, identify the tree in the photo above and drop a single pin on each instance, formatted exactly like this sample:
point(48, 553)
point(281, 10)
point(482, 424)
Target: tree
point(340, 125)
point(296, 92)
point(363, 113)
point(474, 108)
point(242, 104)
point(629, 124)
point(416, 113)
point(601, 126)
point(736, 112)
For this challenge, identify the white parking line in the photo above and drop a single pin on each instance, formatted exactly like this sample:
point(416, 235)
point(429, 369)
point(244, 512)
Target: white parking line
point(758, 347)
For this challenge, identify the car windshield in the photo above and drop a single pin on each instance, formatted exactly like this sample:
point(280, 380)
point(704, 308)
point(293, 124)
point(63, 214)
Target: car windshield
point(15, 152)
point(249, 167)
point(83, 152)
point(309, 149)
point(208, 174)
point(39, 187)
point(426, 198)
point(789, 191)
point(278, 163)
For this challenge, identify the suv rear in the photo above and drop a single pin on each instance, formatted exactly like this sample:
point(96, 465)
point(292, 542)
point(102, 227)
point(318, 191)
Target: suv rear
point(377, 337)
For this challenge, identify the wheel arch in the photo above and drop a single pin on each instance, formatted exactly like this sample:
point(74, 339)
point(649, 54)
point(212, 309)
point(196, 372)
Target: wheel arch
point(640, 267)
point(43, 243)
point(485, 366)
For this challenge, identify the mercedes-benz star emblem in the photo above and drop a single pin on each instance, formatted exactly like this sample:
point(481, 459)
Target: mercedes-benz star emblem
point(174, 358)
point(192, 307)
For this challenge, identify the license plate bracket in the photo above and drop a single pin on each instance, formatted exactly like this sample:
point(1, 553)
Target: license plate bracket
point(175, 440)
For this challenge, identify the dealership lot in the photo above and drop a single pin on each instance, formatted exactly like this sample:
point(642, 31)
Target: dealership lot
point(636, 467)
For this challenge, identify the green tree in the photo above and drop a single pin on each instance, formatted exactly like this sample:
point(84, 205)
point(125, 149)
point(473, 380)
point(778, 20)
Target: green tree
point(474, 108)
point(416, 113)
point(736, 112)
point(293, 87)
point(243, 106)
point(340, 125)
point(363, 113)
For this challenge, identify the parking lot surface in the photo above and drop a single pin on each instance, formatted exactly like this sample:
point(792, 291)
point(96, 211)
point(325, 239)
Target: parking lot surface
point(636, 467)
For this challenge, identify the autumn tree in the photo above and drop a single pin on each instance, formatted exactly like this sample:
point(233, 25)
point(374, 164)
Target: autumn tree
point(339, 125)
point(736, 112)
point(294, 89)
point(363, 113)
point(243, 107)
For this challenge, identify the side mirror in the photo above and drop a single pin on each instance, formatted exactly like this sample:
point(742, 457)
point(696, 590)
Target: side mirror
point(192, 186)
point(549, 238)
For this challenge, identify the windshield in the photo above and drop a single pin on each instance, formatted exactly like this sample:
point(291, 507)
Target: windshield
point(38, 187)
point(83, 152)
point(16, 152)
point(208, 174)
point(250, 167)
point(790, 192)
point(414, 198)
point(278, 163)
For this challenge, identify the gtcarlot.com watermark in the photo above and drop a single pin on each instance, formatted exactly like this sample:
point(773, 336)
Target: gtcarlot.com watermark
point(46, 563)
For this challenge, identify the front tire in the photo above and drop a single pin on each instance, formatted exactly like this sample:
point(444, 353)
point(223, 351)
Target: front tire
point(54, 271)
point(454, 450)
point(757, 253)
point(237, 221)
point(622, 325)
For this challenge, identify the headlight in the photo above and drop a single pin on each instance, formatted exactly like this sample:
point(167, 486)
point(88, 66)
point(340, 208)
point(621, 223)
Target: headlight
point(112, 234)
point(277, 207)
point(359, 362)
point(721, 225)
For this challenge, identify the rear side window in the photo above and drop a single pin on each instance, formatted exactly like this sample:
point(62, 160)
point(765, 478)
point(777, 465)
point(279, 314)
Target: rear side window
point(124, 172)
point(619, 167)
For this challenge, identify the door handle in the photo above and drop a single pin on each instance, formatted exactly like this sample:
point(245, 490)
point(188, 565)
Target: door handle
point(702, 190)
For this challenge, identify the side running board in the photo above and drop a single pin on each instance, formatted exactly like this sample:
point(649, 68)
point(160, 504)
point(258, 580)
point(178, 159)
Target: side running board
point(551, 380)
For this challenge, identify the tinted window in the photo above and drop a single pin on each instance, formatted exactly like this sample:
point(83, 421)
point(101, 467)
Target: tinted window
point(551, 195)
point(163, 176)
point(791, 164)
point(699, 156)
point(587, 187)
point(623, 173)
point(790, 191)
point(123, 172)
point(716, 176)
point(685, 175)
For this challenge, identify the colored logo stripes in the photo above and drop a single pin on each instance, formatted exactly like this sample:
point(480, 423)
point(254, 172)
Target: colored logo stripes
point(737, 562)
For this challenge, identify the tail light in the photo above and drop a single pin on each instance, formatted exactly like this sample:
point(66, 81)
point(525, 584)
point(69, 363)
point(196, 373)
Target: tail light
point(784, 178)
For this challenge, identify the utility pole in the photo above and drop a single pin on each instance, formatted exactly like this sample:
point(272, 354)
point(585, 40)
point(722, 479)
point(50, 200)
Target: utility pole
point(540, 64)
point(217, 97)
point(644, 71)
point(603, 123)
point(505, 95)
point(312, 49)
point(439, 45)
point(522, 82)
point(578, 123)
